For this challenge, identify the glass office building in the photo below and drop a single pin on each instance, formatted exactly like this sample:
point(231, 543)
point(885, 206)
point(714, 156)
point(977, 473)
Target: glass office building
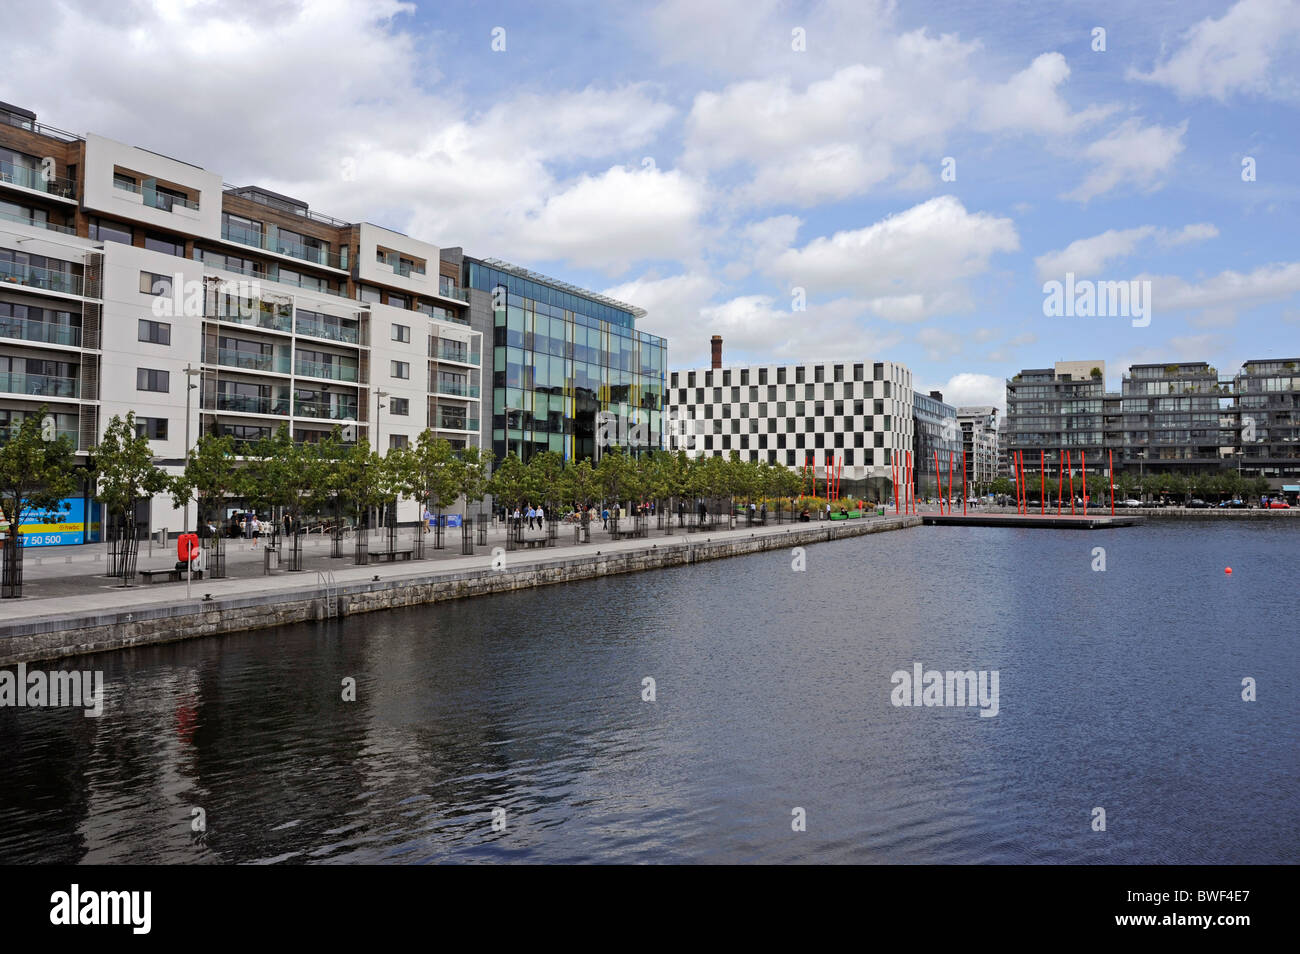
point(561, 355)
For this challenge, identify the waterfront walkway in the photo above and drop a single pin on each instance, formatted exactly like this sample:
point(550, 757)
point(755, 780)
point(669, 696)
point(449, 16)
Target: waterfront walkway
point(69, 583)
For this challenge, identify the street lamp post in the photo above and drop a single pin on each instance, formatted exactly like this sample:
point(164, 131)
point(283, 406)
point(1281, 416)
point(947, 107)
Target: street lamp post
point(190, 372)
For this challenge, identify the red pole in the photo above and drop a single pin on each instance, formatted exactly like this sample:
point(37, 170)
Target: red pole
point(963, 481)
point(1042, 482)
point(938, 480)
point(1069, 465)
point(1020, 479)
point(1110, 470)
point(1083, 472)
point(950, 483)
point(1060, 480)
point(911, 497)
point(893, 460)
point(1015, 476)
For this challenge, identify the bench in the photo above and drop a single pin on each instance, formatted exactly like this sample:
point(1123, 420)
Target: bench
point(390, 556)
point(531, 542)
point(172, 575)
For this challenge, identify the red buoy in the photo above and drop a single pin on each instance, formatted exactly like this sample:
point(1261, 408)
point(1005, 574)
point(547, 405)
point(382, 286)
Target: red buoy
point(1228, 570)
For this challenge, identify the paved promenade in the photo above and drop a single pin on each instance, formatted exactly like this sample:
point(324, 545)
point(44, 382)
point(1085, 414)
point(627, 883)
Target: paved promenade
point(69, 582)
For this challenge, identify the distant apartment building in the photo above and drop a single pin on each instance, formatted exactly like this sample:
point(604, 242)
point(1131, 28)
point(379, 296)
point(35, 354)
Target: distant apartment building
point(1004, 463)
point(1054, 410)
point(1177, 417)
point(937, 433)
point(815, 416)
point(979, 438)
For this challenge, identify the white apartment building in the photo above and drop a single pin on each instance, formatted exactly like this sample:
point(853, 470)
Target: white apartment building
point(126, 276)
point(857, 414)
point(979, 434)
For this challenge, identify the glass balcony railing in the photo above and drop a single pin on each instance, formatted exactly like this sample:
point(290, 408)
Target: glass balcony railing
point(26, 220)
point(447, 290)
point(69, 432)
point(325, 411)
point(247, 404)
point(260, 319)
point(258, 239)
point(448, 351)
point(157, 200)
point(36, 277)
point(45, 331)
point(248, 360)
point(333, 332)
point(43, 385)
point(34, 179)
point(458, 424)
point(455, 388)
point(332, 371)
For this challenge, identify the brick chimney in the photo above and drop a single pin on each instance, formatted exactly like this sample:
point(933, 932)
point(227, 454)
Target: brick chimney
point(717, 351)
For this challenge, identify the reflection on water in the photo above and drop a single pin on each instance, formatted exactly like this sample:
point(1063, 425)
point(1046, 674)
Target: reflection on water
point(1118, 689)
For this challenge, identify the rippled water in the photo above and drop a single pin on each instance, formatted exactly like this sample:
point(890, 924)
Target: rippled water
point(1118, 689)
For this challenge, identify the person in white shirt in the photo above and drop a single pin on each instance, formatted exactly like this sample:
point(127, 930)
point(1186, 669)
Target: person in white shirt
point(541, 517)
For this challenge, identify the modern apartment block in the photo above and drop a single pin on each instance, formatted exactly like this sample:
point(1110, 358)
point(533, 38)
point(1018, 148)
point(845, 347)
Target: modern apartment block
point(126, 276)
point(937, 432)
point(562, 357)
point(1177, 417)
point(1058, 409)
point(860, 412)
point(979, 440)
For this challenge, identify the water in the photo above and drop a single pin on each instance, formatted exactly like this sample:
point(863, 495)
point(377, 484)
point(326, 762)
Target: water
point(1118, 689)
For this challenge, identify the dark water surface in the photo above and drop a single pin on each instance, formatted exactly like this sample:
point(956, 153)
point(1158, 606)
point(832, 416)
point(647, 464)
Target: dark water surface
point(1118, 689)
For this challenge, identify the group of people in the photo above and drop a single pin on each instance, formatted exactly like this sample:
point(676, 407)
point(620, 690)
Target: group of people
point(531, 514)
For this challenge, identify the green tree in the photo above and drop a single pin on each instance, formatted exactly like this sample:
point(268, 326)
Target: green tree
point(122, 466)
point(542, 479)
point(211, 474)
point(281, 474)
point(476, 465)
point(431, 473)
point(35, 475)
point(508, 483)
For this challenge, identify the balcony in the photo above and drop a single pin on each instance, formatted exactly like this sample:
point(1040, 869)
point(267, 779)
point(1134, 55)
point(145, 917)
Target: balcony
point(69, 432)
point(448, 290)
point(260, 319)
point(334, 333)
point(43, 331)
point(323, 410)
point(47, 278)
point(258, 239)
point(458, 424)
point(449, 351)
point(455, 389)
point(246, 404)
point(33, 179)
point(41, 385)
point(24, 220)
point(156, 200)
point(331, 371)
point(247, 360)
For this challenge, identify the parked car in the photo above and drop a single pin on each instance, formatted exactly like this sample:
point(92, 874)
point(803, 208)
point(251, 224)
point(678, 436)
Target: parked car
point(1196, 503)
point(1130, 503)
point(1279, 505)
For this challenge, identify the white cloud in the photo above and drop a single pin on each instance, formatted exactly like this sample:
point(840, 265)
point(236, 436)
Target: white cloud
point(963, 390)
point(1132, 154)
point(1030, 101)
point(1237, 53)
point(1228, 290)
point(1088, 256)
point(674, 306)
point(909, 265)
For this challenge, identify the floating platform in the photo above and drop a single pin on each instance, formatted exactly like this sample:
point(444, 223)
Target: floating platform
point(1033, 520)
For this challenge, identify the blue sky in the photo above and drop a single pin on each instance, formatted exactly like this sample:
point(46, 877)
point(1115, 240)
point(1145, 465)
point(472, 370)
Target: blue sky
point(685, 157)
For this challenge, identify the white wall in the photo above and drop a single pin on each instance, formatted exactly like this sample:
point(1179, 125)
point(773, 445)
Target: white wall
point(101, 196)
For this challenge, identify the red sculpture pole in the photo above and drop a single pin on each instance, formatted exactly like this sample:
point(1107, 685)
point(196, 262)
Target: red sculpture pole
point(1060, 480)
point(1069, 466)
point(1083, 472)
point(893, 460)
point(1042, 482)
point(938, 480)
point(1110, 472)
point(950, 483)
point(963, 481)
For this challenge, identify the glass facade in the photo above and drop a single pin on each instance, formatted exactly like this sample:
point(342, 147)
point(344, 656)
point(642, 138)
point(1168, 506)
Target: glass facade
point(559, 359)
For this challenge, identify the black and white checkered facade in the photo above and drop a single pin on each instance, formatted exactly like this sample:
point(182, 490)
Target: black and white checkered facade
point(857, 412)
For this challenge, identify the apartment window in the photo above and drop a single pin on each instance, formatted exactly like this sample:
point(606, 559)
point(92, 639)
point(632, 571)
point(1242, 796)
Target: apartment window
point(819, 374)
point(401, 369)
point(101, 231)
point(398, 301)
point(398, 440)
point(366, 293)
point(400, 406)
point(780, 375)
point(878, 372)
point(744, 375)
point(798, 375)
point(164, 243)
point(402, 333)
point(839, 372)
point(122, 181)
point(152, 283)
point(147, 379)
point(153, 428)
point(857, 372)
point(762, 375)
point(155, 332)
